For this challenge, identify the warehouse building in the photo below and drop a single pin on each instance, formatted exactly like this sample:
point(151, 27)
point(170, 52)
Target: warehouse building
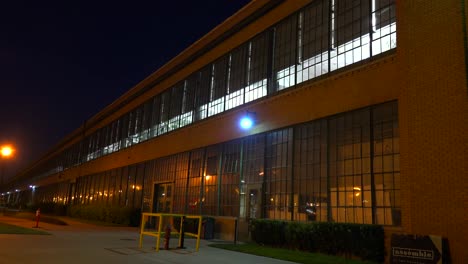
point(307, 110)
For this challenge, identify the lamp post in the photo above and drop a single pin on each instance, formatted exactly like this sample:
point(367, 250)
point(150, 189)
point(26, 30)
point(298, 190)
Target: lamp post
point(5, 152)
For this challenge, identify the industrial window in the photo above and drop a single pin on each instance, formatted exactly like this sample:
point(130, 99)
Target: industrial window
point(131, 128)
point(258, 66)
point(165, 108)
point(278, 167)
point(350, 172)
point(104, 142)
point(138, 124)
point(148, 186)
point(237, 76)
point(229, 194)
point(364, 166)
point(284, 61)
point(210, 181)
point(194, 198)
point(105, 188)
point(313, 41)
point(188, 102)
point(386, 164)
point(146, 120)
point(124, 185)
point(203, 93)
point(350, 32)
point(180, 182)
point(383, 26)
point(252, 177)
point(156, 116)
point(140, 171)
point(218, 86)
point(124, 130)
point(310, 172)
point(131, 174)
point(177, 93)
point(112, 190)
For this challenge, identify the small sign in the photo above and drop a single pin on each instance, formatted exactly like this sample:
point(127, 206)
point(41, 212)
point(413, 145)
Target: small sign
point(415, 249)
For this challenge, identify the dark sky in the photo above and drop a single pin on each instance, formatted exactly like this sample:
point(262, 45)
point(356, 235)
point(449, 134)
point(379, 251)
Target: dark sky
point(63, 61)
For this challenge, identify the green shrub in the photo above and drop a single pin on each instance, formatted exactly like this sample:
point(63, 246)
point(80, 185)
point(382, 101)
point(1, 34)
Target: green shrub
point(48, 208)
point(269, 232)
point(108, 214)
point(364, 241)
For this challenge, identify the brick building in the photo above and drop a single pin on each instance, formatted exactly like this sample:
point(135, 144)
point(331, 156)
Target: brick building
point(359, 113)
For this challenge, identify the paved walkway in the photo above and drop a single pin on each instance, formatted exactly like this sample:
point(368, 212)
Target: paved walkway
point(85, 243)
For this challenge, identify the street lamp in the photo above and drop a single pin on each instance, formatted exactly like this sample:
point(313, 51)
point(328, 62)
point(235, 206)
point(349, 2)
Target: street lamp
point(6, 152)
point(248, 120)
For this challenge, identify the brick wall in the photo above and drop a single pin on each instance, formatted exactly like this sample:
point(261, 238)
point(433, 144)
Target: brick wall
point(433, 120)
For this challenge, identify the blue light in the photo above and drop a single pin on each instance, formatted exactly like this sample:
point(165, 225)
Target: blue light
point(246, 123)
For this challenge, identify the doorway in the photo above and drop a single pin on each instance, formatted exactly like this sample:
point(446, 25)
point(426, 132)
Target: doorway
point(162, 198)
point(254, 202)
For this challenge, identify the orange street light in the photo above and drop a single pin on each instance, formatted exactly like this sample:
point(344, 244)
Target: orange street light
point(6, 151)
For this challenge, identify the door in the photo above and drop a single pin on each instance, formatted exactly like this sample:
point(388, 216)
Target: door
point(255, 202)
point(162, 198)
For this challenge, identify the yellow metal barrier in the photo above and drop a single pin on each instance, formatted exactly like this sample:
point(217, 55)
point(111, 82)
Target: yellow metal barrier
point(160, 217)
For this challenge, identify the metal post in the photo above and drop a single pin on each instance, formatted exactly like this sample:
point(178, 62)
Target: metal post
point(182, 232)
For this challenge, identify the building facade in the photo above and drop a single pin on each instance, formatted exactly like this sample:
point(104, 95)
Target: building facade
point(359, 110)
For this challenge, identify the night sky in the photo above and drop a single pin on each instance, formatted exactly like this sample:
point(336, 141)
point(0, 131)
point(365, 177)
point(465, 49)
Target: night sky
point(62, 62)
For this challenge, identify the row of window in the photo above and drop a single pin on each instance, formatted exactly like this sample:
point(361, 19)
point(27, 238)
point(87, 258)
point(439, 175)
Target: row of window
point(344, 168)
point(322, 37)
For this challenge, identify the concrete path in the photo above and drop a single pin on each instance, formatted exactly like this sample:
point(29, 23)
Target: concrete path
point(86, 244)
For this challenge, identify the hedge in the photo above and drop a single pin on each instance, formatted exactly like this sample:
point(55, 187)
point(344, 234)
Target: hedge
point(109, 214)
point(364, 241)
point(48, 208)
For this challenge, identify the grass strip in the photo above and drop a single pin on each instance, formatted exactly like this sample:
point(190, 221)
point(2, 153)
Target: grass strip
point(12, 229)
point(32, 217)
point(286, 254)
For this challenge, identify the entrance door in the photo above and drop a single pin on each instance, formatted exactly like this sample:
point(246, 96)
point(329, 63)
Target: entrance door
point(162, 198)
point(255, 202)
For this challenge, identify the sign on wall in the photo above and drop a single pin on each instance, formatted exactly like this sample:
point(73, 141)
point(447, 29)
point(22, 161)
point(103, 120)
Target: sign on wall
point(416, 249)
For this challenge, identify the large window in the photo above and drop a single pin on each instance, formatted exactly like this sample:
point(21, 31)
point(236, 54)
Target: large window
point(278, 173)
point(314, 42)
point(257, 73)
point(284, 58)
point(311, 172)
point(229, 193)
point(350, 172)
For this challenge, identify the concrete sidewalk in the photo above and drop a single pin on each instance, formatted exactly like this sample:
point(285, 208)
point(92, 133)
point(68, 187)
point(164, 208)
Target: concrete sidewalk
point(85, 243)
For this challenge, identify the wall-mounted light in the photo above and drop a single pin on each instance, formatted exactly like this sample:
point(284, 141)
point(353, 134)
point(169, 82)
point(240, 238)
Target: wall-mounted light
point(247, 121)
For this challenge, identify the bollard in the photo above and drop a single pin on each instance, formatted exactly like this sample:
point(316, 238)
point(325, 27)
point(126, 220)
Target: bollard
point(38, 216)
point(167, 236)
point(182, 232)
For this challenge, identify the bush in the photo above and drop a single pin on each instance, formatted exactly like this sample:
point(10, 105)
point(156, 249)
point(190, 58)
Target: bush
point(364, 241)
point(108, 214)
point(48, 208)
point(269, 232)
